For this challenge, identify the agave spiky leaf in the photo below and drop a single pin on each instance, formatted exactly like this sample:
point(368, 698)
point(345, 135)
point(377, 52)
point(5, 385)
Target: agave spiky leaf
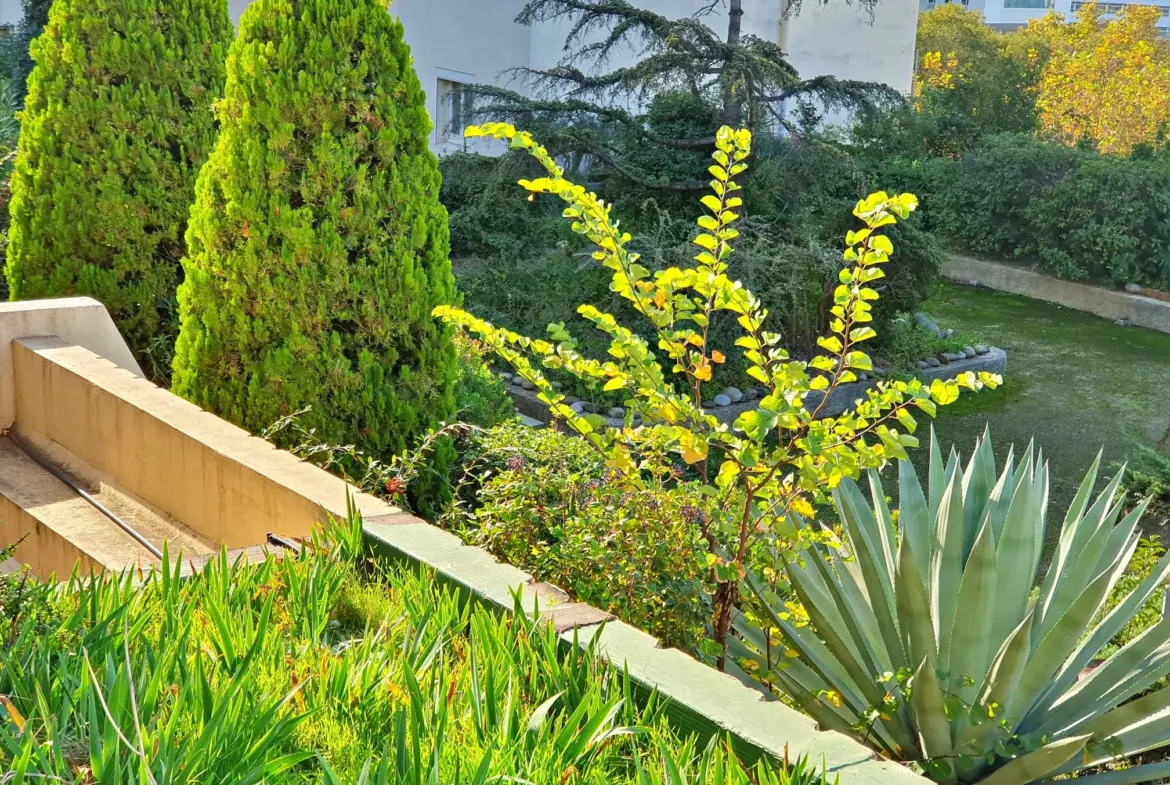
point(931, 641)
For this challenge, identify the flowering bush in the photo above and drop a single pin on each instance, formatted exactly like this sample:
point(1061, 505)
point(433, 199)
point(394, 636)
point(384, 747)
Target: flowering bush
point(545, 501)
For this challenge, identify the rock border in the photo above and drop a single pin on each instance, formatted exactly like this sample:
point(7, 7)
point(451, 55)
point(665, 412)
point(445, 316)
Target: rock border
point(945, 366)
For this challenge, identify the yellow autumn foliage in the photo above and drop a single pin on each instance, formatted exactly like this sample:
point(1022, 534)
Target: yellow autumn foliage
point(1107, 81)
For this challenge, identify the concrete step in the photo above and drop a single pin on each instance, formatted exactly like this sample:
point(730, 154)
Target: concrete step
point(60, 527)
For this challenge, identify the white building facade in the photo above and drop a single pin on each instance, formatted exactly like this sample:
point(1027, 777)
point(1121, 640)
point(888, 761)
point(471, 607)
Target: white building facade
point(458, 42)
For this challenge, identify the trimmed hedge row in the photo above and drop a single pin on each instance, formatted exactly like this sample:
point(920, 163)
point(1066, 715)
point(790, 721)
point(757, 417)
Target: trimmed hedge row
point(1074, 214)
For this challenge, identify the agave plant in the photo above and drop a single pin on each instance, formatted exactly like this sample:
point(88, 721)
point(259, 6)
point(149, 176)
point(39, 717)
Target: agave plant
point(934, 635)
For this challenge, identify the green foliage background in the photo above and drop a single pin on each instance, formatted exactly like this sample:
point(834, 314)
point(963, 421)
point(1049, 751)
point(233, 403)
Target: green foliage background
point(116, 124)
point(1076, 214)
point(518, 268)
point(318, 245)
point(990, 89)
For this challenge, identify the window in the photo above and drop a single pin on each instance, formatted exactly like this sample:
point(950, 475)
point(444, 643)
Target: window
point(1111, 9)
point(455, 109)
point(1040, 4)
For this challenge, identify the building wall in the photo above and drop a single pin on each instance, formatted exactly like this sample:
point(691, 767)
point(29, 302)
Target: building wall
point(479, 40)
point(970, 5)
point(1012, 14)
point(846, 41)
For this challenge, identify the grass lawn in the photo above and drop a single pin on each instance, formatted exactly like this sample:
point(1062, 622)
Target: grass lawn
point(324, 668)
point(1076, 382)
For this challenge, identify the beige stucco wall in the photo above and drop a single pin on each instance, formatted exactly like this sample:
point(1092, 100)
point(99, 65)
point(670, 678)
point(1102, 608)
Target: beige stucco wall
point(225, 485)
point(45, 550)
point(80, 320)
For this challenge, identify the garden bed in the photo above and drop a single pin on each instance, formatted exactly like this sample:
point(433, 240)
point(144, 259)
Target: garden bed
point(1079, 383)
point(1126, 308)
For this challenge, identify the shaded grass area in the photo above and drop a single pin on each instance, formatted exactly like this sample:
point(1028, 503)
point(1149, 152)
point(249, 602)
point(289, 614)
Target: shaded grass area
point(1075, 382)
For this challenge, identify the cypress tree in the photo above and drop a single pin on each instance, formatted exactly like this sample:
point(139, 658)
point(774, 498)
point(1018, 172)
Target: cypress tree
point(116, 125)
point(317, 246)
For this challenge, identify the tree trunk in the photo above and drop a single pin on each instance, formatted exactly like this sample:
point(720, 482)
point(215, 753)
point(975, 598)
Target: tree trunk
point(733, 104)
point(726, 597)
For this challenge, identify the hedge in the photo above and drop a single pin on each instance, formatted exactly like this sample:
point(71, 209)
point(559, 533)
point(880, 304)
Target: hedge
point(1072, 213)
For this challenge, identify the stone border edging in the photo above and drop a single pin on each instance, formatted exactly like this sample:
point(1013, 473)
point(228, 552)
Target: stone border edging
point(531, 408)
point(1153, 314)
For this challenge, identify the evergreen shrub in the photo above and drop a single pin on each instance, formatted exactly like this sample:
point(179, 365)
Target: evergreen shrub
point(116, 124)
point(544, 500)
point(317, 246)
point(489, 219)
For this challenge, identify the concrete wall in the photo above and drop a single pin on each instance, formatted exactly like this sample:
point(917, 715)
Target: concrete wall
point(47, 551)
point(225, 485)
point(79, 320)
point(1141, 311)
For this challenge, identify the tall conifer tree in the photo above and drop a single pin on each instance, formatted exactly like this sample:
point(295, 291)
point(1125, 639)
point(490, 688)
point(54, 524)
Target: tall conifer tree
point(318, 246)
point(116, 125)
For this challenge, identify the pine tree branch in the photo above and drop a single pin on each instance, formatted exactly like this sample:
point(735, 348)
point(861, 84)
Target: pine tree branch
point(510, 105)
point(840, 92)
point(645, 31)
point(708, 9)
point(684, 186)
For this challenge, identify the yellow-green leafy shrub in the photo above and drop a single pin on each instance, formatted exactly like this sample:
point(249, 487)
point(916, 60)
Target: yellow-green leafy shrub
point(774, 461)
